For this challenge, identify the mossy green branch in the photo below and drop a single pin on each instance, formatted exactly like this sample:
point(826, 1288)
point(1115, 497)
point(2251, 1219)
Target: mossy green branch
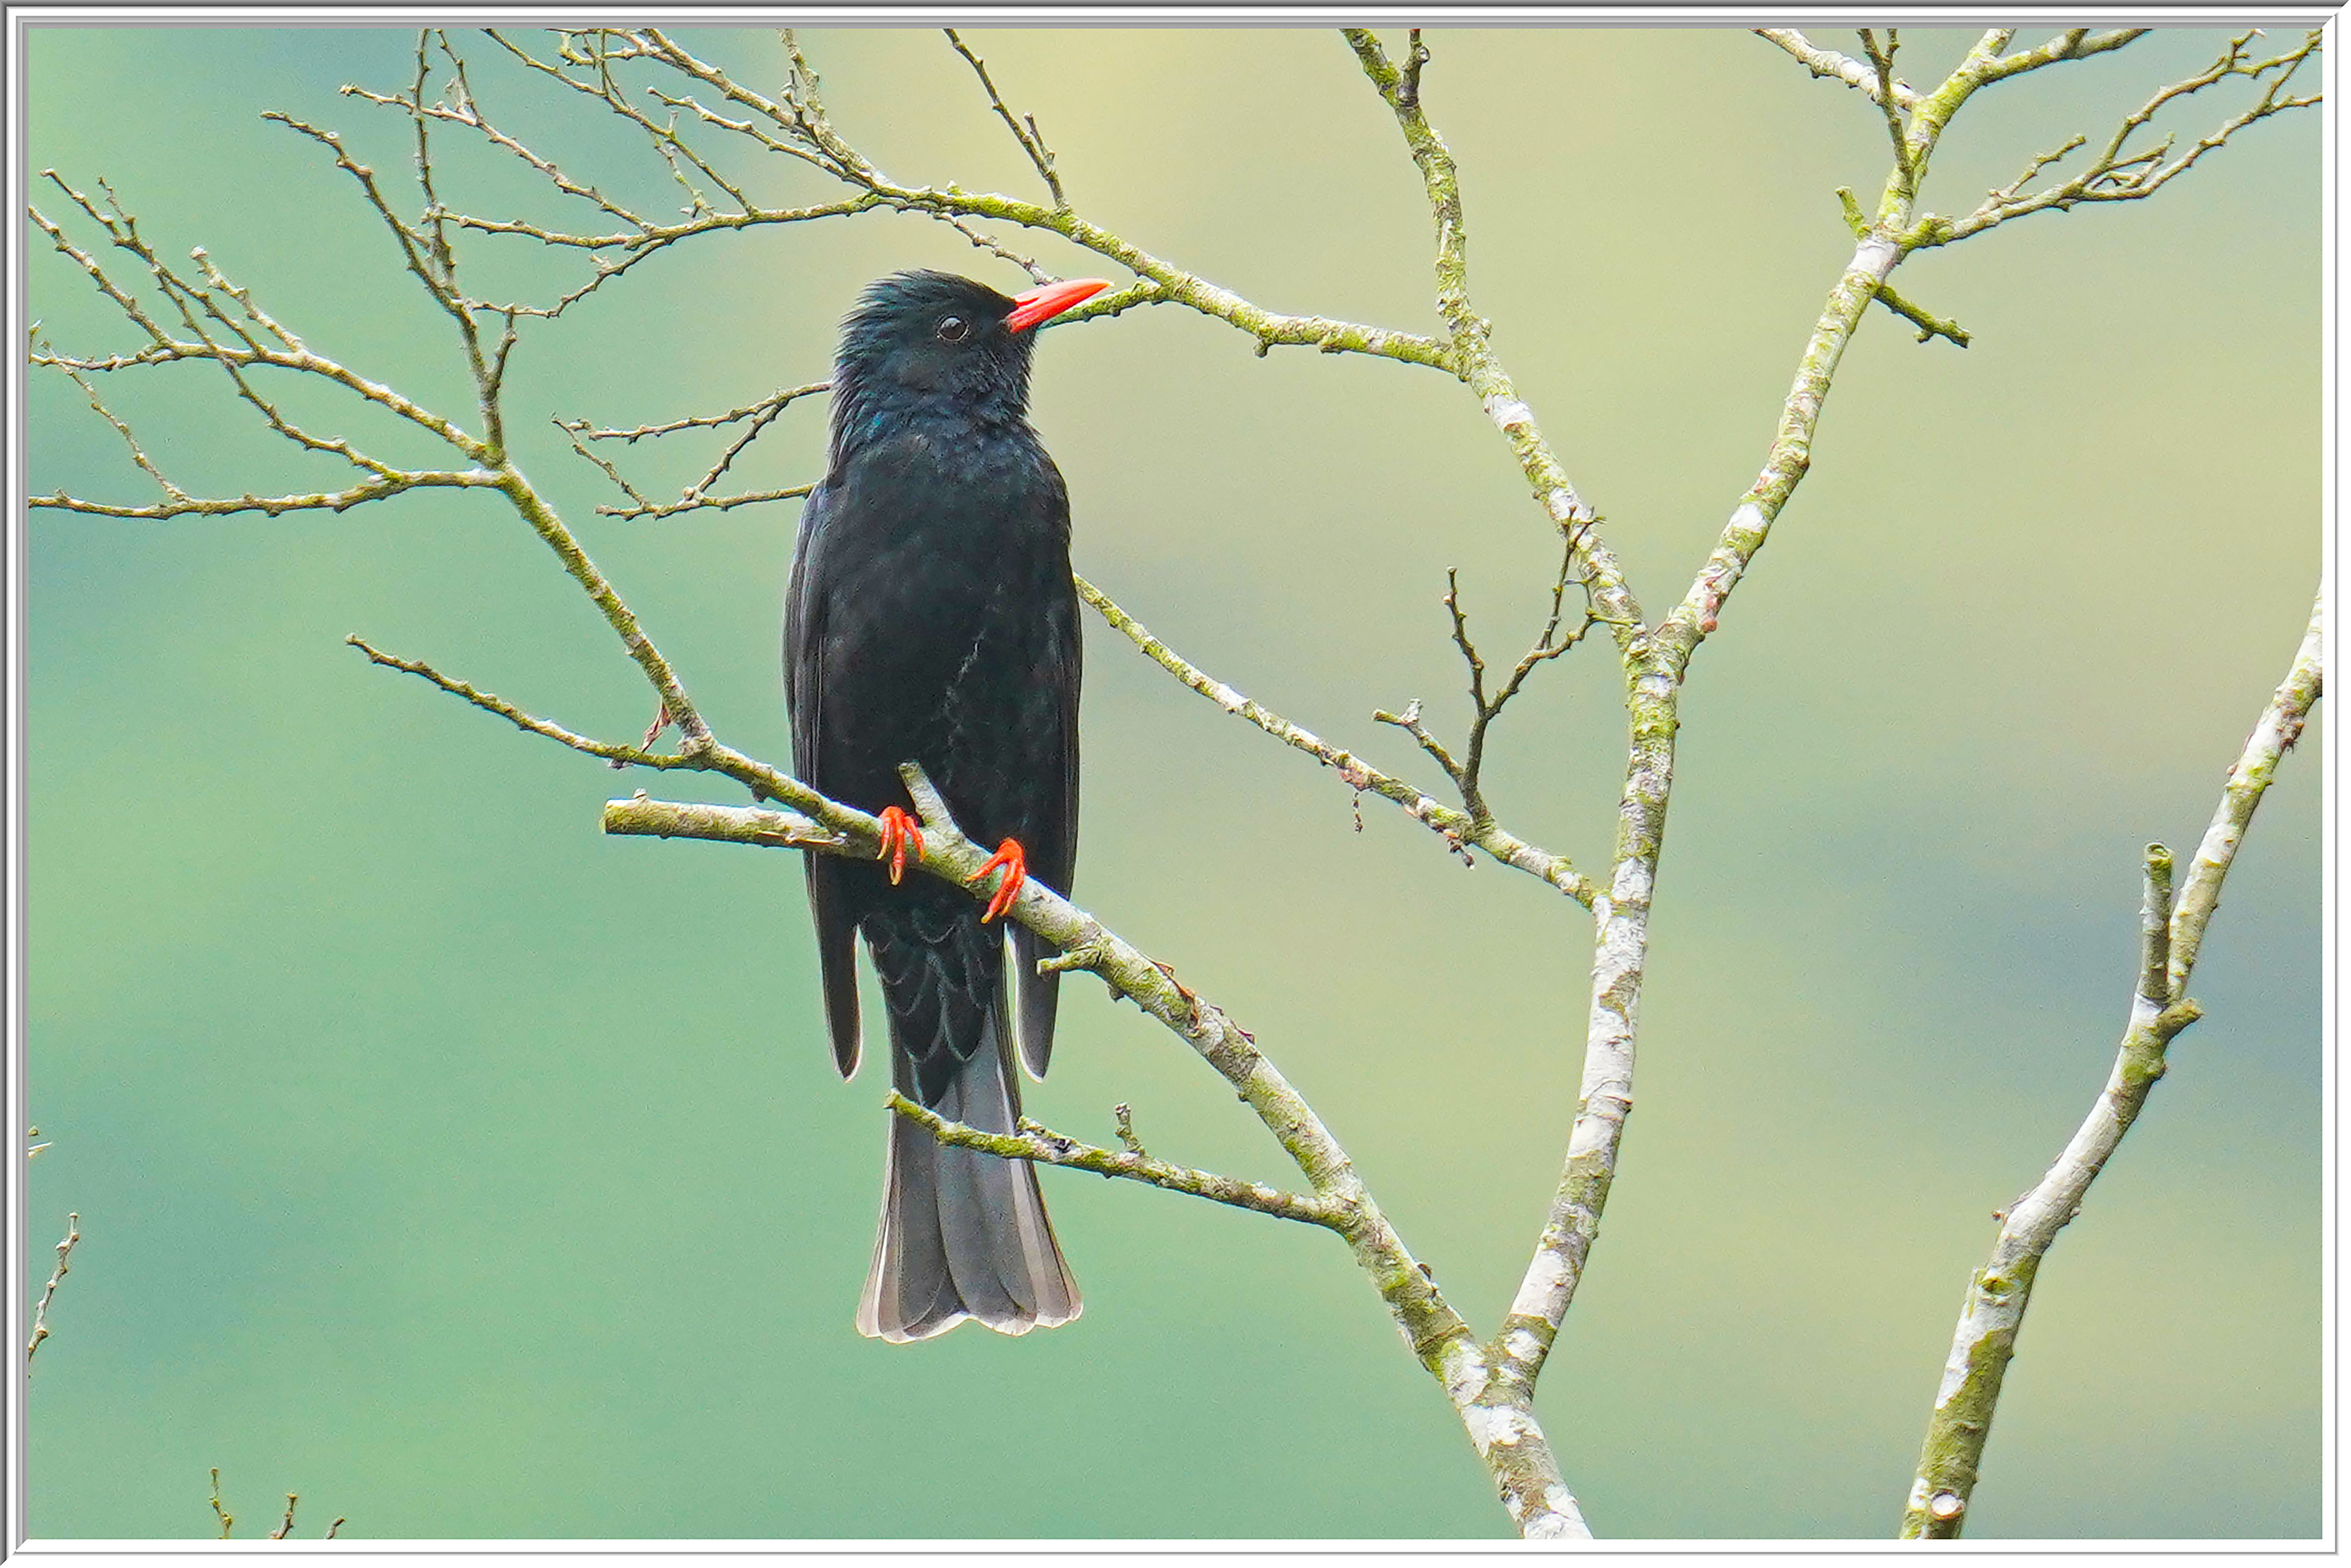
point(1435, 1331)
point(1044, 1146)
point(798, 124)
point(2248, 778)
point(1471, 351)
point(2170, 930)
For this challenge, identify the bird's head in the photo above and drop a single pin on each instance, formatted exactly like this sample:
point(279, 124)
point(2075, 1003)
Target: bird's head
point(931, 339)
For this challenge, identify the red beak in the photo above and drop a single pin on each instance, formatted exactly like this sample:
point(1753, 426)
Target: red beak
point(1048, 300)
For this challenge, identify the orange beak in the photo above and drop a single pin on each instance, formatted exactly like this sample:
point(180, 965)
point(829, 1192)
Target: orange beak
point(1049, 299)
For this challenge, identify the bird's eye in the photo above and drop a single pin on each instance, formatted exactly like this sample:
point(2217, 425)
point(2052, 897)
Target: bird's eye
point(953, 328)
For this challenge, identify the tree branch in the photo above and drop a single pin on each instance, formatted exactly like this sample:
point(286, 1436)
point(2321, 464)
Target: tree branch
point(1467, 773)
point(274, 506)
point(1471, 351)
point(2280, 727)
point(796, 125)
point(2115, 176)
point(1032, 143)
point(1042, 1145)
point(1456, 828)
point(1828, 63)
point(2170, 933)
point(695, 496)
point(1882, 59)
point(1491, 1385)
point(488, 703)
point(41, 1313)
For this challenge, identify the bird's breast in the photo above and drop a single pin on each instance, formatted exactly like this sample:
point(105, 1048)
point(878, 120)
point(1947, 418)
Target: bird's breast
point(942, 558)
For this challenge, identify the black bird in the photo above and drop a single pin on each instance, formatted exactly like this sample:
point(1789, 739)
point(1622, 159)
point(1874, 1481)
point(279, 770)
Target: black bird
point(932, 619)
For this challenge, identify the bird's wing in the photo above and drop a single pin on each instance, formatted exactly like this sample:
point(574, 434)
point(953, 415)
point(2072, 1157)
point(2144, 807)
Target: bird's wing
point(1052, 846)
point(830, 903)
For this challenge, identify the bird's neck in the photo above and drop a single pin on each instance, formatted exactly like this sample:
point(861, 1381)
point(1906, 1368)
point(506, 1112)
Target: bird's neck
point(943, 424)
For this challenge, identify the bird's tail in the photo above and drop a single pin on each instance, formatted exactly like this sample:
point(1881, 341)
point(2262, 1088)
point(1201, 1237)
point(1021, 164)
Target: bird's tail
point(964, 1234)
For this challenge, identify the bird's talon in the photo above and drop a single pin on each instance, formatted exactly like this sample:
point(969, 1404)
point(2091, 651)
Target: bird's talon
point(898, 831)
point(1014, 862)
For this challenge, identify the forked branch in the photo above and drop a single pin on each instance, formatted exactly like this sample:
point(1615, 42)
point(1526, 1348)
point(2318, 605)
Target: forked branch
point(2172, 930)
point(1468, 770)
point(2118, 173)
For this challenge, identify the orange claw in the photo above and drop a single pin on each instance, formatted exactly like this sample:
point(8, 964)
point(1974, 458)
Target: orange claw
point(898, 831)
point(1015, 863)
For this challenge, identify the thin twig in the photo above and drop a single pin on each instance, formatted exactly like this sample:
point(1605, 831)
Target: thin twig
point(1456, 827)
point(48, 1293)
point(1042, 1145)
point(773, 403)
point(2116, 175)
point(1929, 325)
point(1548, 645)
point(797, 125)
point(1882, 57)
point(1026, 134)
point(489, 703)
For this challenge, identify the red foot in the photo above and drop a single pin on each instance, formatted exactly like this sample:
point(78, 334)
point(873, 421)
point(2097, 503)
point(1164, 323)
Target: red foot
point(1015, 863)
point(898, 831)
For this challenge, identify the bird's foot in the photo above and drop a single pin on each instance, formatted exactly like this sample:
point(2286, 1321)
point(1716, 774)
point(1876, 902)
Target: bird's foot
point(898, 831)
point(1014, 862)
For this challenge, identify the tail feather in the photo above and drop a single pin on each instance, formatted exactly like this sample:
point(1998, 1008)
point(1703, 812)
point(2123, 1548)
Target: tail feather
point(964, 1234)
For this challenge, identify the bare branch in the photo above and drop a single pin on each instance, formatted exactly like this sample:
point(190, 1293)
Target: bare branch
point(1440, 1340)
point(1410, 722)
point(2250, 777)
point(1547, 646)
point(286, 353)
point(49, 1292)
point(639, 817)
point(797, 126)
point(489, 703)
point(1882, 59)
point(989, 243)
point(698, 503)
point(1471, 349)
point(2115, 174)
point(765, 408)
point(1929, 325)
point(2074, 44)
point(89, 264)
point(1042, 1145)
point(97, 406)
point(695, 496)
point(2170, 932)
point(1027, 135)
point(469, 116)
point(1456, 827)
point(276, 506)
point(578, 431)
point(414, 245)
point(1828, 63)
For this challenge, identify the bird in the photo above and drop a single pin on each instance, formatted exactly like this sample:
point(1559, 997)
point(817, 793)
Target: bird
point(932, 618)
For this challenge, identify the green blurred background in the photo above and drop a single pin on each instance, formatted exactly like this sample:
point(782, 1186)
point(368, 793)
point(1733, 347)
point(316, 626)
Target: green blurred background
point(474, 1175)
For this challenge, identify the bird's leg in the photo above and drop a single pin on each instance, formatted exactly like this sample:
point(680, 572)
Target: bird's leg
point(898, 831)
point(1015, 863)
